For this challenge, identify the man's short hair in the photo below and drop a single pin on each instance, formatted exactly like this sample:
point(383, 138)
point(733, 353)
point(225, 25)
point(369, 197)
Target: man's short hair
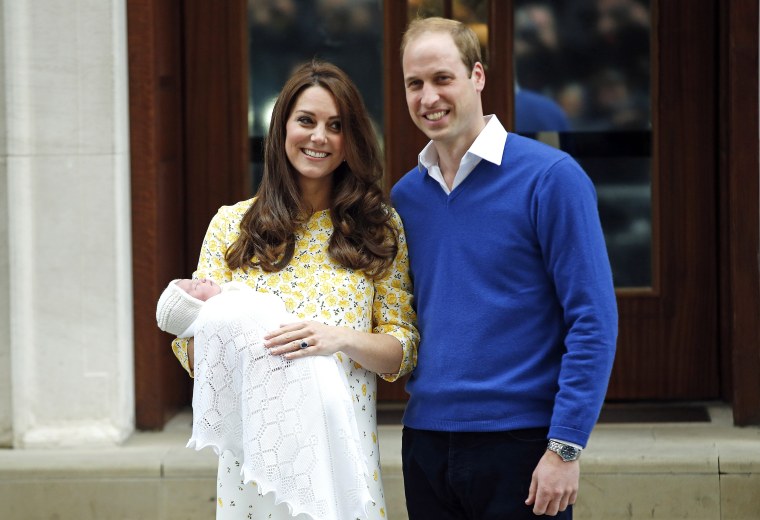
point(464, 38)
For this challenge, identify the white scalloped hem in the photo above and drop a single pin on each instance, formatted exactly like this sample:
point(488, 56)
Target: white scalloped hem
point(359, 509)
point(199, 445)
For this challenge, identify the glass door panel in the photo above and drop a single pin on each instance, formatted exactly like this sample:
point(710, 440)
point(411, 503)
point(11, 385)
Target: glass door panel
point(474, 13)
point(425, 8)
point(285, 33)
point(582, 83)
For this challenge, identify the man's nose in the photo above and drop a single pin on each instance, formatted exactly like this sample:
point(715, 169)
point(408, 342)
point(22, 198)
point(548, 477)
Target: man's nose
point(429, 95)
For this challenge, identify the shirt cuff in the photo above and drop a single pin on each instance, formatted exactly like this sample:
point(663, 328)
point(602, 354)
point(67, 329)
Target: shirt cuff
point(568, 443)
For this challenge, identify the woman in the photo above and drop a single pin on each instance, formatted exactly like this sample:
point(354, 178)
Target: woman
point(320, 235)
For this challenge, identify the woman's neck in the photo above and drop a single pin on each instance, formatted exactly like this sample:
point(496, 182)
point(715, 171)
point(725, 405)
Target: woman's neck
point(316, 196)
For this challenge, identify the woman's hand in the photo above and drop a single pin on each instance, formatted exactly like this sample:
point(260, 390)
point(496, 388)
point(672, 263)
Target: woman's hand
point(307, 338)
point(380, 353)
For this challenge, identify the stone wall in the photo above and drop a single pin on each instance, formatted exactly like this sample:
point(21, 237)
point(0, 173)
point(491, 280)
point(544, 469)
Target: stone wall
point(65, 267)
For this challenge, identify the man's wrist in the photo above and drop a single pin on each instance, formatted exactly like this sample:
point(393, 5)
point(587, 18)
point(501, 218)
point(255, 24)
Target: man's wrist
point(568, 452)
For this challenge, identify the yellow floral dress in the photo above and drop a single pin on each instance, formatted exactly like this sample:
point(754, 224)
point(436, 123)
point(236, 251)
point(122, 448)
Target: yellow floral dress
point(314, 287)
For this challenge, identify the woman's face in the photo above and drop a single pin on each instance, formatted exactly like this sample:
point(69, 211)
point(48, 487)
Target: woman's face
point(314, 136)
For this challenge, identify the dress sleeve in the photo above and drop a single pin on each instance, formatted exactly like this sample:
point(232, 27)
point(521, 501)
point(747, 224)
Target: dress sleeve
point(392, 311)
point(179, 347)
point(222, 231)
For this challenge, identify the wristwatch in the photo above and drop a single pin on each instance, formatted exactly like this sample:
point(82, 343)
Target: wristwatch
point(567, 452)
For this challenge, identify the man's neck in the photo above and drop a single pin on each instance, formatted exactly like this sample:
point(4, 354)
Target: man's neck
point(450, 154)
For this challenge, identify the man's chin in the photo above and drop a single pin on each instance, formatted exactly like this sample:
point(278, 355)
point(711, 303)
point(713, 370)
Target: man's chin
point(430, 133)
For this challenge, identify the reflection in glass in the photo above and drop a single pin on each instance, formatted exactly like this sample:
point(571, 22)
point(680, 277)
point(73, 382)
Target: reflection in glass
point(474, 13)
point(285, 33)
point(582, 82)
point(424, 9)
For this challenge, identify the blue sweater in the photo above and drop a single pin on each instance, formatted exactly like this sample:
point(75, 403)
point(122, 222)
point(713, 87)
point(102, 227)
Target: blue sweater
point(514, 295)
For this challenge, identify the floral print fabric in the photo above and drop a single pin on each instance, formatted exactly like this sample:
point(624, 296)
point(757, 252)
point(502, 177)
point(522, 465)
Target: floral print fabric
point(314, 287)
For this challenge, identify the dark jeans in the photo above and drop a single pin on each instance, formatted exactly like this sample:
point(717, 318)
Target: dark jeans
point(471, 475)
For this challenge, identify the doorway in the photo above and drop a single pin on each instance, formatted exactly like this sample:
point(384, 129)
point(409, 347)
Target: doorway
point(703, 188)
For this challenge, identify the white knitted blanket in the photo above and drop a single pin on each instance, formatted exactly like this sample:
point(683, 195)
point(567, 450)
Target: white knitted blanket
point(291, 423)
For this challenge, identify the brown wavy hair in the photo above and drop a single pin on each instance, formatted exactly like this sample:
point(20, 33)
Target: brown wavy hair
point(364, 237)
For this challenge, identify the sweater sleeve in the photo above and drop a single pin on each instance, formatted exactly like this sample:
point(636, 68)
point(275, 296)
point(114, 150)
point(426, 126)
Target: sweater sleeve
point(575, 257)
point(392, 311)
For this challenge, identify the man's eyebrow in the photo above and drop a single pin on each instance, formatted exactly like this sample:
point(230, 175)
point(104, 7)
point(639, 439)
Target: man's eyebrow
point(437, 72)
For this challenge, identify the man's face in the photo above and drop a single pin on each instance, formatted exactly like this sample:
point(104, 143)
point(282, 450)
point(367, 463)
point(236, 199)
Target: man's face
point(442, 96)
point(202, 288)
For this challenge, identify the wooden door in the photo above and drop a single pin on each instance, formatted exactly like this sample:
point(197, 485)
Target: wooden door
point(189, 156)
point(668, 336)
point(158, 250)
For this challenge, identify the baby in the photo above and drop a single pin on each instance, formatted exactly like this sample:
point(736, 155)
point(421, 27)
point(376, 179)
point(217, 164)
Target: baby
point(180, 304)
point(271, 412)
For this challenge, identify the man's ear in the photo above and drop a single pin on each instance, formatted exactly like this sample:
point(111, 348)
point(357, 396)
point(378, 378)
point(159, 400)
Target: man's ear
point(478, 76)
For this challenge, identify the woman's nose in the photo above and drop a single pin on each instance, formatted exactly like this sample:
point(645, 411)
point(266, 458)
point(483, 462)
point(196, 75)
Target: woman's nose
point(318, 136)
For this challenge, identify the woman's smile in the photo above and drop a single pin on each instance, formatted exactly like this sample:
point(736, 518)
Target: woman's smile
point(314, 135)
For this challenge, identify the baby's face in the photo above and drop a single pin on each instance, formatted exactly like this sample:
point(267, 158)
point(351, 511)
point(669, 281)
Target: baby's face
point(203, 289)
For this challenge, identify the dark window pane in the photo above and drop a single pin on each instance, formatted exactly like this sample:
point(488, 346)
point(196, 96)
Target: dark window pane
point(285, 33)
point(424, 8)
point(582, 83)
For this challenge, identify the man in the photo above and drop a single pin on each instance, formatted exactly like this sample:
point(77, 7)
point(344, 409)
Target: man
point(514, 296)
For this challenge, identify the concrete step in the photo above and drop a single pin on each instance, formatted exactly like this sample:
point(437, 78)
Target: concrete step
point(701, 470)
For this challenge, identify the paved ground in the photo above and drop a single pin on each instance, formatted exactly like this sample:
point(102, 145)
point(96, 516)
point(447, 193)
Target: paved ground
point(666, 470)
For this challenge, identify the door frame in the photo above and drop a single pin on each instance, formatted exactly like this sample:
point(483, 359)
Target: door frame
point(739, 202)
point(189, 155)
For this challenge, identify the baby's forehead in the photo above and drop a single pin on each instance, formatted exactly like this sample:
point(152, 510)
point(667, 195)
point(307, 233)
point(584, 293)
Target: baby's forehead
point(185, 284)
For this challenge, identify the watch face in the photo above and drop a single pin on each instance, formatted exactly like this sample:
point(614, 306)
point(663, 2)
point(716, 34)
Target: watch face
point(568, 452)
point(565, 451)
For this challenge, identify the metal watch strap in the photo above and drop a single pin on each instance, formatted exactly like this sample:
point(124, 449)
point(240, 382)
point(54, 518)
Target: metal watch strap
point(565, 451)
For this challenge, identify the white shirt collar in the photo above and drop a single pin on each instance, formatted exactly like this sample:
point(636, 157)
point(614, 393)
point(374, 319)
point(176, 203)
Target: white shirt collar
point(489, 145)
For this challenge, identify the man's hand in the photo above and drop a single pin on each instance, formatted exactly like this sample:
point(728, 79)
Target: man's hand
point(554, 485)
